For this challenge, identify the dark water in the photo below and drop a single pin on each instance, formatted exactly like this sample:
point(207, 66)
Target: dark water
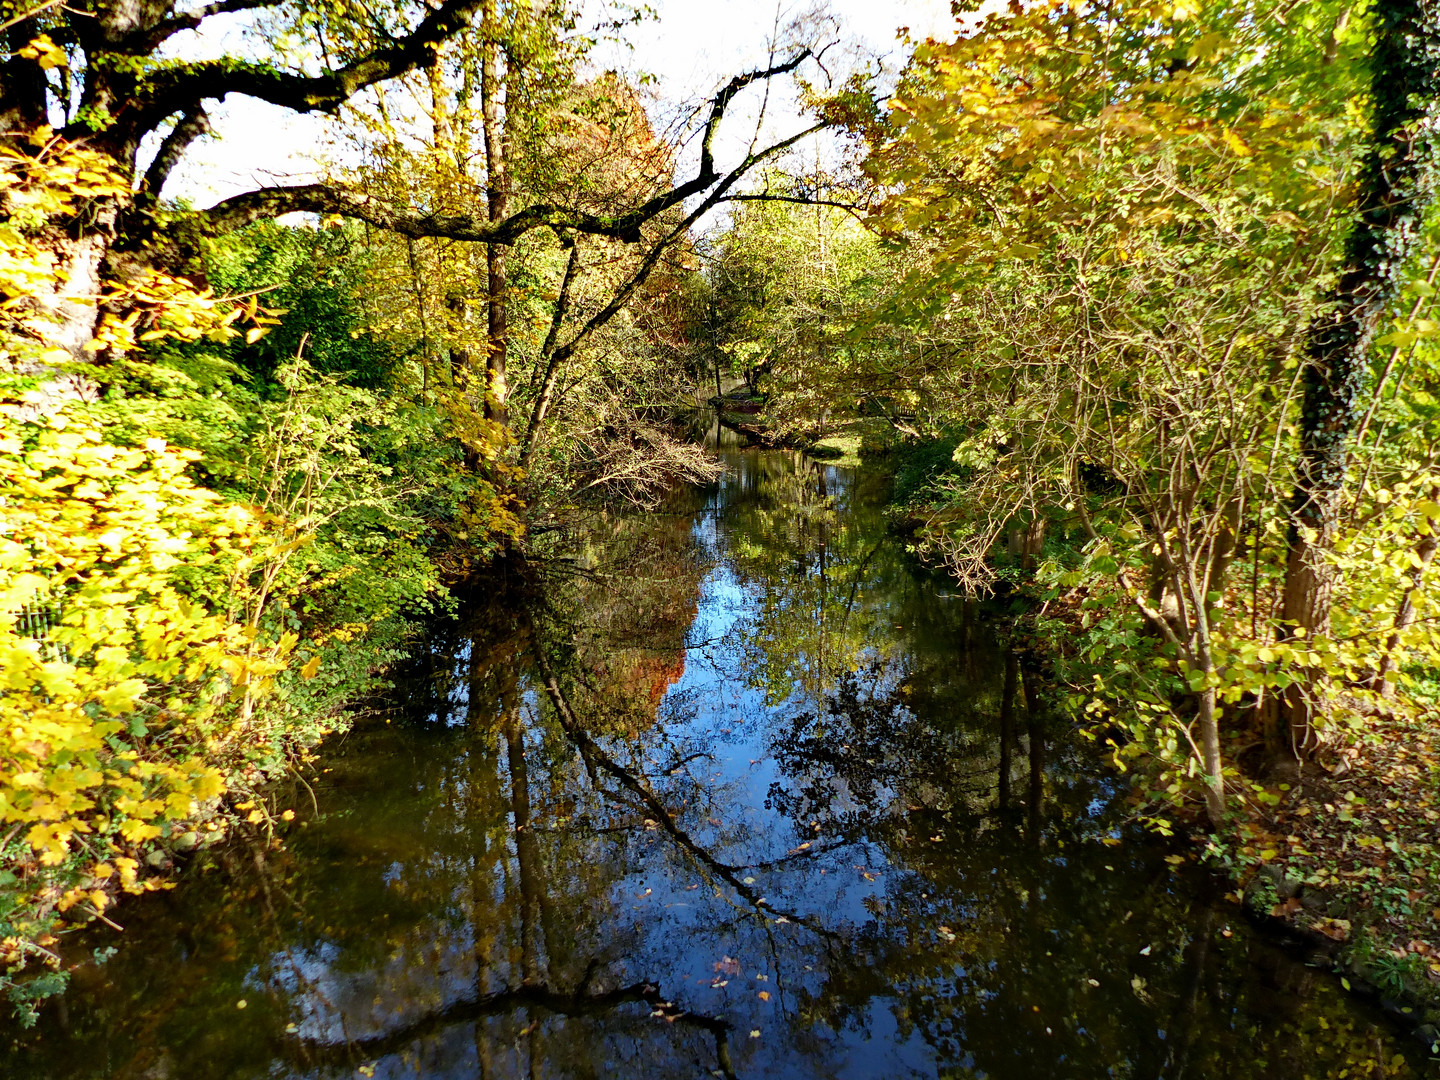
point(739, 792)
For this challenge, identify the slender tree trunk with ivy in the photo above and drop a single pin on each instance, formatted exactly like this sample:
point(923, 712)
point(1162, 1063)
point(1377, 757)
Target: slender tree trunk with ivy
point(1396, 185)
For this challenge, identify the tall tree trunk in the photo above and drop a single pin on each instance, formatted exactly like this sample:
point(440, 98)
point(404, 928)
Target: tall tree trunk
point(23, 110)
point(460, 361)
point(552, 357)
point(1396, 184)
point(497, 202)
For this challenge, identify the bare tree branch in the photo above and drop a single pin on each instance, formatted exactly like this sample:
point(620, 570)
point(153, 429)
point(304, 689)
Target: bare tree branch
point(623, 294)
point(802, 200)
point(551, 357)
point(252, 206)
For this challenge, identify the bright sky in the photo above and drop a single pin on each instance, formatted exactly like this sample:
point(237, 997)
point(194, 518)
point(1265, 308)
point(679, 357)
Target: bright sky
point(691, 47)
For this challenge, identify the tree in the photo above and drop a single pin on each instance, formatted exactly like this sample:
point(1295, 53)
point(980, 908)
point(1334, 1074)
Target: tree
point(99, 64)
point(1109, 257)
point(785, 281)
point(1396, 186)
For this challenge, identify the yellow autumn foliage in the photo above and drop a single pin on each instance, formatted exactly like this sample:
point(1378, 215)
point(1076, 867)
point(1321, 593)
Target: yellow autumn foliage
point(126, 673)
point(56, 181)
point(144, 618)
point(111, 673)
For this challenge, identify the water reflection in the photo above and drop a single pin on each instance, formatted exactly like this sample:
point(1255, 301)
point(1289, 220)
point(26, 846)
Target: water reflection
point(738, 792)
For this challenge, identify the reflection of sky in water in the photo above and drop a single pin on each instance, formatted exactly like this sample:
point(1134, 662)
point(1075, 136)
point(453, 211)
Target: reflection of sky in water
point(684, 919)
point(785, 847)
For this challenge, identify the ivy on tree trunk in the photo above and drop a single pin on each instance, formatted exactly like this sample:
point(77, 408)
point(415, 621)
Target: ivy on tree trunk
point(1396, 185)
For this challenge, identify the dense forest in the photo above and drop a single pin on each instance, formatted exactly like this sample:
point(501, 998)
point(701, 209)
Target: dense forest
point(1135, 298)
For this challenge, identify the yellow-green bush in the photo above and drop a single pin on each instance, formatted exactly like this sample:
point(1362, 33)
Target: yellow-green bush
point(199, 567)
point(118, 674)
point(115, 682)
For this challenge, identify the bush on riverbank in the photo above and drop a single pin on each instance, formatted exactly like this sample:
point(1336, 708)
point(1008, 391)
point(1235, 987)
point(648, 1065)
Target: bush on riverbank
point(208, 548)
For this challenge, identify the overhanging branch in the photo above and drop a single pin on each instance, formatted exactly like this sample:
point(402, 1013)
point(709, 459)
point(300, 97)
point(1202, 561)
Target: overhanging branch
point(622, 295)
point(857, 210)
point(253, 206)
point(185, 85)
point(146, 41)
point(187, 129)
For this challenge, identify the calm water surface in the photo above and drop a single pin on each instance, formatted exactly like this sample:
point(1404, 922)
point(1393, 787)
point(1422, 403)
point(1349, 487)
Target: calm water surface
point(741, 793)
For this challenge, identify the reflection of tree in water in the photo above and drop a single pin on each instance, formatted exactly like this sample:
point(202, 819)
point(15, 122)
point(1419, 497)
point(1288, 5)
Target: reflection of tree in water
point(1008, 941)
point(927, 873)
point(538, 911)
point(867, 757)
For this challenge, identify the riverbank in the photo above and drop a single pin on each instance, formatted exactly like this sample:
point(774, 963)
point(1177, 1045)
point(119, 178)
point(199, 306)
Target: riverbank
point(1343, 862)
point(120, 782)
point(1348, 859)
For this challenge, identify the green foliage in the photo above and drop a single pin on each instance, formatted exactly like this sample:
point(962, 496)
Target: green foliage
point(316, 277)
point(922, 466)
point(1109, 233)
point(784, 284)
point(1117, 228)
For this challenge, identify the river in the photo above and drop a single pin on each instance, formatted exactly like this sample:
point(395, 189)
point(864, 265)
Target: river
point(738, 790)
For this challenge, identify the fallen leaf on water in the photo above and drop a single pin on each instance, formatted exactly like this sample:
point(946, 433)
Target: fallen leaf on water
point(754, 1033)
point(764, 995)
